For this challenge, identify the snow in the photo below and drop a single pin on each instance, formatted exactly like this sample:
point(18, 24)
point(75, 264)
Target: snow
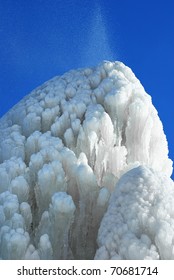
point(76, 155)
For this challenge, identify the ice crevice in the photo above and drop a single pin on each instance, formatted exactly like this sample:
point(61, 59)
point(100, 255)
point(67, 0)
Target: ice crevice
point(84, 171)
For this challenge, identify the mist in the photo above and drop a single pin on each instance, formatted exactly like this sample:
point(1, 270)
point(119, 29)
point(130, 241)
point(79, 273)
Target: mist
point(97, 48)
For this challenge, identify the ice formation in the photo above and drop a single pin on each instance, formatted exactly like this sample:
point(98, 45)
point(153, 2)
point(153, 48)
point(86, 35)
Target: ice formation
point(139, 222)
point(84, 171)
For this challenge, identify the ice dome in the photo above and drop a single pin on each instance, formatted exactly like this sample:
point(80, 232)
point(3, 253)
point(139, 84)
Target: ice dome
point(73, 153)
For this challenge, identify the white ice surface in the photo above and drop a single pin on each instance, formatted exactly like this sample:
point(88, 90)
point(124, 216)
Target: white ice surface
point(72, 139)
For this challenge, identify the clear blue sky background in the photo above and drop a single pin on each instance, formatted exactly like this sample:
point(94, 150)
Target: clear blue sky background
point(43, 38)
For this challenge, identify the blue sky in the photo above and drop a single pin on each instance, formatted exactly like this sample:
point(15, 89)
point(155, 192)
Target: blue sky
point(42, 38)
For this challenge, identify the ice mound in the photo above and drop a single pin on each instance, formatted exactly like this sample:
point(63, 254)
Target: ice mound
point(139, 222)
point(62, 150)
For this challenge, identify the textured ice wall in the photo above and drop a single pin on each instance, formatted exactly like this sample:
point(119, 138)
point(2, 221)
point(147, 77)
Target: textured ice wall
point(62, 150)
